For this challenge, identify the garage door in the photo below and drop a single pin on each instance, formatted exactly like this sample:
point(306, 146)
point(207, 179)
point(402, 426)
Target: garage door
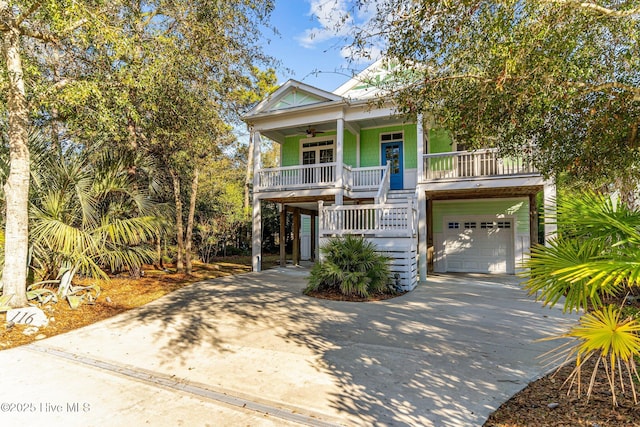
point(479, 245)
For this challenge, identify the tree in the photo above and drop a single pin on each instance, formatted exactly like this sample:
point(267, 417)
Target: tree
point(26, 24)
point(555, 78)
point(88, 69)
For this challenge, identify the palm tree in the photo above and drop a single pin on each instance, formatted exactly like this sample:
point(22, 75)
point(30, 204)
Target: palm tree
point(88, 212)
point(595, 256)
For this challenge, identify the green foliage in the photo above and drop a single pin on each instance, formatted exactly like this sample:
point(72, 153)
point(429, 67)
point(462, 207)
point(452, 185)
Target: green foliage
point(614, 343)
point(597, 253)
point(556, 79)
point(596, 256)
point(351, 266)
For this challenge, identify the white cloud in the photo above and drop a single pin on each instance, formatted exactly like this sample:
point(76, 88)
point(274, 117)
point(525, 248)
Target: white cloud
point(334, 19)
point(338, 19)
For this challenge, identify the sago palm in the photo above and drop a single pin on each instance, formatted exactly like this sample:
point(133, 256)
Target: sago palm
point(351, 266)
point(596, 255)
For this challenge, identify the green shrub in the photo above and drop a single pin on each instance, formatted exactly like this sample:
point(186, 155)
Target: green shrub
point(352, 266)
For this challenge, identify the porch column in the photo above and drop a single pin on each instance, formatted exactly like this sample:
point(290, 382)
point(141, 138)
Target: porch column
point(313, 237)
point(283, 236)
point(550, 225)
point(256, 238)
point(257, 164)
point(320, 225)
point(420, 142)
point(296, 236)
point(340, 161)
point(422, 235)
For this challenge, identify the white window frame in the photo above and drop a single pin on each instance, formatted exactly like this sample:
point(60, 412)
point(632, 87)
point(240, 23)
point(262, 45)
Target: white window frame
point(317, 149)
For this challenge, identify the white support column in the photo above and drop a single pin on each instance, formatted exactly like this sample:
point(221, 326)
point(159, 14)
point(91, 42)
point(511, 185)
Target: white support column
point(420, 143)
point(422, 236)
point(550, 225)
point(257, 155)
point(340, 161)
point(319, 256)
point(256, 238)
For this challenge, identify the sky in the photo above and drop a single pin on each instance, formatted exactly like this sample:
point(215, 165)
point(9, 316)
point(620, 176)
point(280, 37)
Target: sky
point(313, 54)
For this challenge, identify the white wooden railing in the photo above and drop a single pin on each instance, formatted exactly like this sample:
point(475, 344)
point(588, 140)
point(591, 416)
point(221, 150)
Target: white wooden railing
point(320, 175)
point(364, 178)
point(390, 220)
point(301, 176)
point(472, 164)
point(383, 189)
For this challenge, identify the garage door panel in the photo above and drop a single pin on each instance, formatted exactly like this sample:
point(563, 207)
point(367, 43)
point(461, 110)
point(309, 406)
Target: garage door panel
point(479, 245)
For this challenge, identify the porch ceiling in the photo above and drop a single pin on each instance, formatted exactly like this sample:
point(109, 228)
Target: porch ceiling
point(320, 127)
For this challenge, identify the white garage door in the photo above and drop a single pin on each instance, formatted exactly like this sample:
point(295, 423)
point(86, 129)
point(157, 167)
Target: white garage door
point(479, 245)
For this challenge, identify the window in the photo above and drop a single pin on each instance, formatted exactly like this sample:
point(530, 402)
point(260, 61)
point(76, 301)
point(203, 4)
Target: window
point(454, 225)
point(317, 150)
point(391, 137)
point(469, 225)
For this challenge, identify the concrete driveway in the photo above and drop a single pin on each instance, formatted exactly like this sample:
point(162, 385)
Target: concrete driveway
point(252, 350)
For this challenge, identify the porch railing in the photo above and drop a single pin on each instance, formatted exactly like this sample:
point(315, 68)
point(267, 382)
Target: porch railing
point(321, 175)
point(391, 220)
point(364, 178)
point(302, 176)
point(472, 164)
point(383, 189)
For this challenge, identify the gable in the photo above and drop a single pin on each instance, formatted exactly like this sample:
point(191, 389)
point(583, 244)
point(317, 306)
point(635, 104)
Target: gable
point(370, 82)
point(296, 98)
point(293, 94)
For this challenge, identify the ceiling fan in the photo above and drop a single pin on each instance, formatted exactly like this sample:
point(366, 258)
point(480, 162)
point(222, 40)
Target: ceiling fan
point(311, 132)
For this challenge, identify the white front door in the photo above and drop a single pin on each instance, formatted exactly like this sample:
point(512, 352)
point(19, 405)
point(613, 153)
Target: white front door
point(305, 237)
point(479, 245)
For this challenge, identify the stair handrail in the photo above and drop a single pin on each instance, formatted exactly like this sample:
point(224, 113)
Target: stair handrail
point(383, 189)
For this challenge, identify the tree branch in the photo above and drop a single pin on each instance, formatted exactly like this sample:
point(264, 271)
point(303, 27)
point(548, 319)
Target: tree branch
point(600, 9)
point(40, 35)
point(35, 6)
point(611, 85)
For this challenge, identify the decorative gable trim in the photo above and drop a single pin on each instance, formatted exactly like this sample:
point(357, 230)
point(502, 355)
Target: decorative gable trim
point(293, 94)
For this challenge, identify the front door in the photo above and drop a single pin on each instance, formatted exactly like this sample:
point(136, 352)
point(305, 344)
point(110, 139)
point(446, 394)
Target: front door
point(392, 152)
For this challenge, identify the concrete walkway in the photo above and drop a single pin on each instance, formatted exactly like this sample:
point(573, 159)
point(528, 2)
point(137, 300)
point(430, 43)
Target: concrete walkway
point(252, 350)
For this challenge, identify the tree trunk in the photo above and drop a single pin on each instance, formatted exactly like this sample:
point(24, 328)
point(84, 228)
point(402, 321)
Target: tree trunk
point(179, 227)
point(159, 262)
point(192, 212)
point(16, 189)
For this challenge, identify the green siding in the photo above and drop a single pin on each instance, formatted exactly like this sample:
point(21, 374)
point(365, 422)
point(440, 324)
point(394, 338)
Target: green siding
point(350, 149)
point(439, 141)
point(291, 150)
point(518, 207)
point(370, 145)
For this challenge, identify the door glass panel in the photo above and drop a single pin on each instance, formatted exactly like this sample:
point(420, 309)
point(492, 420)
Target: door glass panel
point(326, 155)
point(392, 154)
point(308, 157)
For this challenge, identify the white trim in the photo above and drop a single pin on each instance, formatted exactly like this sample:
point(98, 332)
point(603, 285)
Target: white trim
point(303, 141)
point(291, 85)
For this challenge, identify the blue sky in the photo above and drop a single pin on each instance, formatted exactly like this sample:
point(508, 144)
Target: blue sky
point(314, 55)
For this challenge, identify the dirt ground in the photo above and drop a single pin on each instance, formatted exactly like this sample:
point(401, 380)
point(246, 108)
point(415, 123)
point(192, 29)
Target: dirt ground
point(543, 403)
